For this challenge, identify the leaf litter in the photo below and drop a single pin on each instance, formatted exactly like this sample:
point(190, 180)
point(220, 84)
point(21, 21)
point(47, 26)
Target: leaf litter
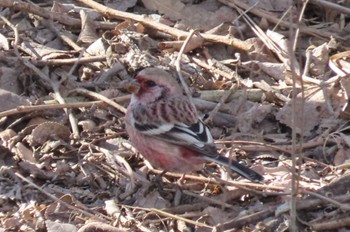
point(65, 160)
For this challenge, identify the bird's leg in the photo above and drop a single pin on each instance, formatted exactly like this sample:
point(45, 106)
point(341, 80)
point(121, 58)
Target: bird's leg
point(158, 180)
point(159, 177)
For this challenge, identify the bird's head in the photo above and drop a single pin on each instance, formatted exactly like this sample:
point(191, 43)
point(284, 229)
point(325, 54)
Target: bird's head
point(153, 84)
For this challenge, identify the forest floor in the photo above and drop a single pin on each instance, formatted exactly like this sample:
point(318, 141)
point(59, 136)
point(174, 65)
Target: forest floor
point(271, 79)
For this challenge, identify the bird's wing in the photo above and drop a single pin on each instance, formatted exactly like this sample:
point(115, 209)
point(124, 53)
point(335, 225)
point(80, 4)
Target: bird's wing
point(174, 120)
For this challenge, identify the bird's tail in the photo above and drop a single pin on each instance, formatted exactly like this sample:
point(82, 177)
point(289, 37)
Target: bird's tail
point(238, 168)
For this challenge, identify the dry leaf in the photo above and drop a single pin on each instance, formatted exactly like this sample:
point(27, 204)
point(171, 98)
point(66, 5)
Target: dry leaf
point(217, 216)
point(5, 137)
point(248, 120)
point(344, 100)
point(24, 153)
point(275, 70)
point(12, 223)
point(339, 157)
point(152, 200)
point(319, 60)
point(345, 138)
point(270, 5)
point(66, 8)
point(314, 111)
point(48, 131)
point(42, 52)
point(87, 125)
point(4, 44)
point(57, 226)
point(192, 16)
point(280, 45)
point(340, 63)
point(88, 33)
point(58, 211)
point(121, 5)
point(10, 100)
point(195, 42)
point(35, 171)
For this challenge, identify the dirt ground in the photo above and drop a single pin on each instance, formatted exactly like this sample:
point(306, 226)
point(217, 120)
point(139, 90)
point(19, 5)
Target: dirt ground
point(270, 79)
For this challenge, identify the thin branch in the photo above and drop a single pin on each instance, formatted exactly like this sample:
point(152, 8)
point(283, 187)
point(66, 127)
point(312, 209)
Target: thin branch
point(55, 85)
point(272, 18)
point(102, 98)
point(37, 10)
point(340, 205)
point(102, 218)
point(178, 64)
point(331, 5)
point(27, 109)
point(111, 13)
point(296, 148)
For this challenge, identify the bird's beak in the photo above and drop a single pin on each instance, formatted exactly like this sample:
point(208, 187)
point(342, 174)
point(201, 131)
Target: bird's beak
point(133, 86)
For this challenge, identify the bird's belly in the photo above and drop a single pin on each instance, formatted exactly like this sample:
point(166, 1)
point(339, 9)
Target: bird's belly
point(167, 156)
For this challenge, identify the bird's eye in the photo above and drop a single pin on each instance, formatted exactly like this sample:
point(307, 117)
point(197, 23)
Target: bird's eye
point(150, 83)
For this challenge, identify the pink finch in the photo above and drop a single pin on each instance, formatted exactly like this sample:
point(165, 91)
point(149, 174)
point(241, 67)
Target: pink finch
point(163, 125)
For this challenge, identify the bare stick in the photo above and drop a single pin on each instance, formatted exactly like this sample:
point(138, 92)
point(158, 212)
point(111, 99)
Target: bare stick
point(272, 18)
point(102, 98)
point(341, 205)
point(37, 10)
point(55, 87)
point(296, 148)
point(26, 109)
point(333, 6)
point(243, 45)
point(178, 64)
point(90, 215)
point(16, 41)
point(81, 60)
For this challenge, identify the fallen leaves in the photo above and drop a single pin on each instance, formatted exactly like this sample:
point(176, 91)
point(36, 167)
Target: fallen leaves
point(68, 166)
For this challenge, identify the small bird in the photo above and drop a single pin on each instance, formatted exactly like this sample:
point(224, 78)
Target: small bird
point(164, 126)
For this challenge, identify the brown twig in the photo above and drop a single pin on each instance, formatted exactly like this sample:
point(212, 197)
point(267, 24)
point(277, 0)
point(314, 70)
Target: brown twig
point(170, 215)
point(164, 28)
point(237, 184)
point(258, 146)
point(316, 202)
point(252, 218)
point(218, 106)
point(16, 41)
point(111, 158)
point(90, 215)
point(26, 109)
point(342, 206)
point(82, 60)
point(218, 65)
point(333, 6)
point(297, 148)
point(208, 200)
point(55, 85)
point(178, 65)
point(98, 226)
point(332, 225)
point(100, 97)
point(272, 18)
point(62, 36)
point(37, 10)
